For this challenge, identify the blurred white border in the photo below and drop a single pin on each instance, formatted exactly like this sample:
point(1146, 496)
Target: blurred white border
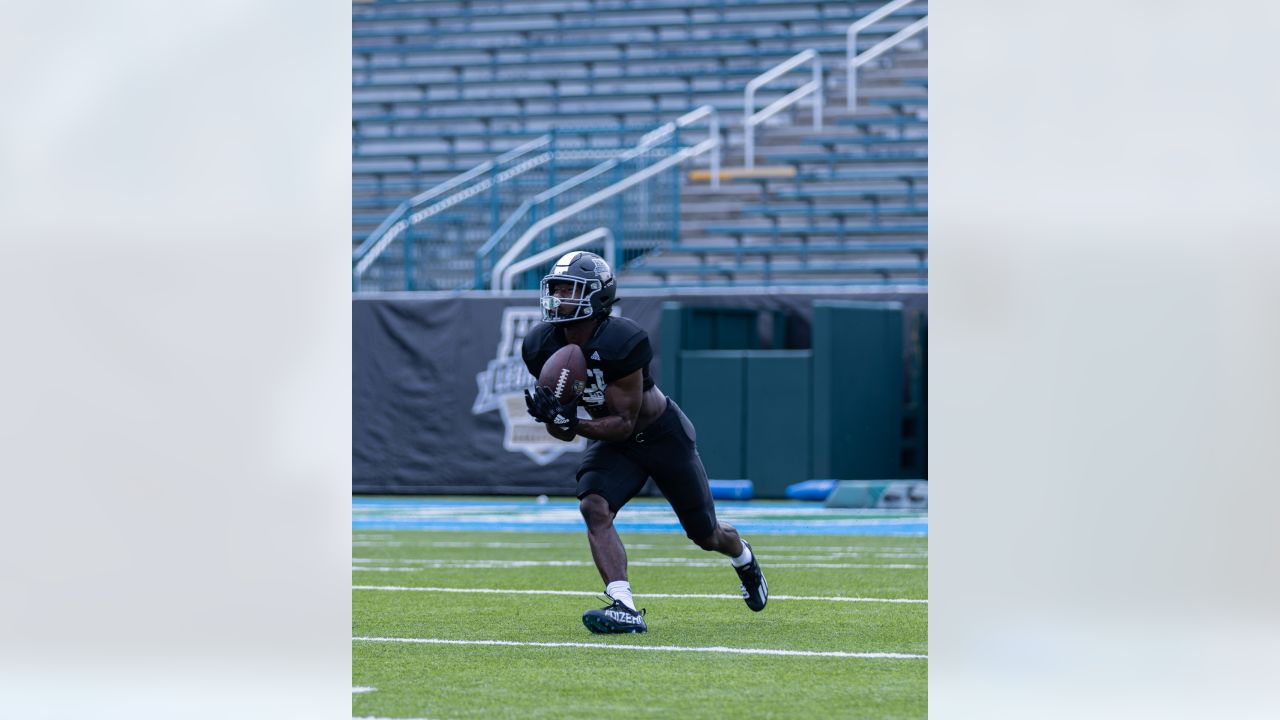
point(174, 213)
point(1105, 335)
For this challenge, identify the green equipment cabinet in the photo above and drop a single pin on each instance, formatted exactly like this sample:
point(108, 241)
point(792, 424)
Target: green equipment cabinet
point(779, 417)
point(712, 395)
point(751, 411)
point(685, 328)
point(857, 389)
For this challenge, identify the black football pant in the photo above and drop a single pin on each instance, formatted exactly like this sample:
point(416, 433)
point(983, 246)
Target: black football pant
point(666, 451)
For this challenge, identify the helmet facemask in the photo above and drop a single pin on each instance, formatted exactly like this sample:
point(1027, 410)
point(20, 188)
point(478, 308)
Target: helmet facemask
point(579, 300)
point(591, 288)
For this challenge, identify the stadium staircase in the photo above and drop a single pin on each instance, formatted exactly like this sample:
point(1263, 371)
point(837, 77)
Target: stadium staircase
point(440, 86)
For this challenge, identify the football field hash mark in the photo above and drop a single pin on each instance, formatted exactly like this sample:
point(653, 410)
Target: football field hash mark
point(579, 593)
point(651, 648)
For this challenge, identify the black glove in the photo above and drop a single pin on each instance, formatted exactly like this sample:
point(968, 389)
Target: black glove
point(539, 408)
point(544, 408)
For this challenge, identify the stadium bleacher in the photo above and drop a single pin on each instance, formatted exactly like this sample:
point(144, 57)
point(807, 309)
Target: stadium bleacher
point(440, 86)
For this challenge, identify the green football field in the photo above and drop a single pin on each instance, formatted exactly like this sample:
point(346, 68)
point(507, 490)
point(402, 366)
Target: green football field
point(435, 635)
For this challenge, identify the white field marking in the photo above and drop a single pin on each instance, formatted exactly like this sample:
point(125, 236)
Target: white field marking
point(512, 564)
point(643, 561)
point(651, 648)
point(712, 560)
point(485, 514)
point(843, 548)
point(836, 555)
point(377, 540)
point(772, 560)
point(825, 548)
point(374, 539)
point(360, 689)
point(678, 560)
point(580, 593)
point(484, 522)
point(635, 512)
point(473, 544)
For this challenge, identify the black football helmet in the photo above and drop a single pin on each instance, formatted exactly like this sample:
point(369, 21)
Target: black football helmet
point(593, 285)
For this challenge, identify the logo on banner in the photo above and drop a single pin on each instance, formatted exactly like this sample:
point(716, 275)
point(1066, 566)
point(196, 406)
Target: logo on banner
point(502, 385)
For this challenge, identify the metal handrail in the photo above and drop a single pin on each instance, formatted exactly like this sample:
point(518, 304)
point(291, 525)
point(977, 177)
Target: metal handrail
point(751, 118)
point(396, 222)
point(711, 143)
point(610, 254)
point(853, 60)
point(647, 142)
point(649, 139)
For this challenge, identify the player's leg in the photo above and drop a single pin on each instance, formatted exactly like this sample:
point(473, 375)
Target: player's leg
point(684, 483)
point(680, 476)
point(607, 480)
point(724, 539)
point(677, 469)
point(606, 547)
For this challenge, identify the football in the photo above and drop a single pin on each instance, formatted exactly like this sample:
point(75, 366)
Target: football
point(565, 372)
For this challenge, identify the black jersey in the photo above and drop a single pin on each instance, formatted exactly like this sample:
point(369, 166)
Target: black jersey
point(618, 348)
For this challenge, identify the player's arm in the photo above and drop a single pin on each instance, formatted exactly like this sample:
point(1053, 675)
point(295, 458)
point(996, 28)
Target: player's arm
point(622, 398)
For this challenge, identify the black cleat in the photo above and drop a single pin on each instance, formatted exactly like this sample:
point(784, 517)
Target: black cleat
point(754, 588)
point(616, 618)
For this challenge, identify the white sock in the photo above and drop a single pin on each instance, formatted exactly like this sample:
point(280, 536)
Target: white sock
point(620, 590)
point(742, 559)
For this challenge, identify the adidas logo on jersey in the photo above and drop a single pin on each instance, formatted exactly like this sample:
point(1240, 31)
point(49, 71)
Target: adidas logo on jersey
point(595, 355)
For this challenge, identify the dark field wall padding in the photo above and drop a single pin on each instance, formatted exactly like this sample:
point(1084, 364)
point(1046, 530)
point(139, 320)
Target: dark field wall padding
point(672, 329)
point(687, 328)
point(857, 389)
point(720, 329)
point(712, 389)
point(751, 408)
point(778, 420)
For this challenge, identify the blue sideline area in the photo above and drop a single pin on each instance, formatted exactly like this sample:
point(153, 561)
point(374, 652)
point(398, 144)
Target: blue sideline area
point(642, 515)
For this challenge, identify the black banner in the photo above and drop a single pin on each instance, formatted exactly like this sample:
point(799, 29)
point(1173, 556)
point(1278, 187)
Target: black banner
point(437, 381)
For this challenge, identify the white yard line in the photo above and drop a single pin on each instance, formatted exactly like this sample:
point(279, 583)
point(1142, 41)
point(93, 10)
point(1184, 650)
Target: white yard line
point(680, 559)
point(842, 548)
point(649, 648)
point(579, 593)
point(474, 544)
point(360, 689)
point(509, 564)
point(884, 550)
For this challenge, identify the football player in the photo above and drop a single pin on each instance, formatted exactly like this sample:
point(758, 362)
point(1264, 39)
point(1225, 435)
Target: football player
point(635, 432)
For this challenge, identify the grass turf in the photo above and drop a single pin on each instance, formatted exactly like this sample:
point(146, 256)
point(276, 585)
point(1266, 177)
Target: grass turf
point(477, 681)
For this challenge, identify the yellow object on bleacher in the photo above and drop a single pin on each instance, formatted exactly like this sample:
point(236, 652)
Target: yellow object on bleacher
point(744, 173)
